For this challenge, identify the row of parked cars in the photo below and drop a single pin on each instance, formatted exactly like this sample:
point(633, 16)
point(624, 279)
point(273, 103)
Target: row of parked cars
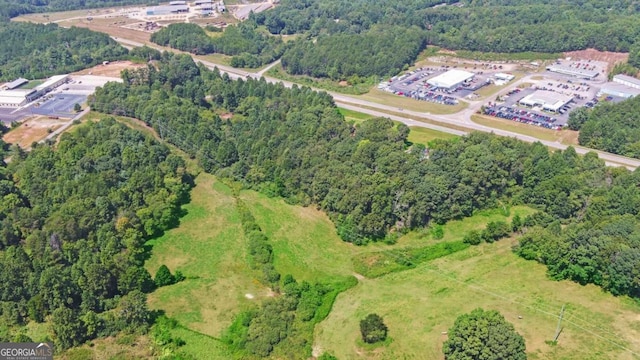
point(431, 97)
point(523, 116)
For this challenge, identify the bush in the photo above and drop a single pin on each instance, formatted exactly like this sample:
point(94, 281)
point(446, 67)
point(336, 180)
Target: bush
point(373, 329)
point(164, 277)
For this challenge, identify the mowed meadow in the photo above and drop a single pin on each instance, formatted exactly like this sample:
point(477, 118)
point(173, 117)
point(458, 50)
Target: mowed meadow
point(419, 305)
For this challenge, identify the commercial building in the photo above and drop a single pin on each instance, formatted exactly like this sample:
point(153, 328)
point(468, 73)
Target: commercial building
point(167, 10)
point(15, 84)
point(581, 72)
point(172, 3)
point(16, 98)
point(627, 81)
point(619, 90)
point(503, 76)
point(203, 2)
point(548, 100)
point(451, 79)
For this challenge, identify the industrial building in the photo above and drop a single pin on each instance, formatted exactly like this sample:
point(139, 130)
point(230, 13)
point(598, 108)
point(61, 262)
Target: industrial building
point(451, 79)
point(548, 100)
point(15, 98)
point(503, 76)
point(627, 81)
point(203, 2)
point(15, 84)
point(167, 10)
point(619, 90)
point(181, 2)
point(580, 72)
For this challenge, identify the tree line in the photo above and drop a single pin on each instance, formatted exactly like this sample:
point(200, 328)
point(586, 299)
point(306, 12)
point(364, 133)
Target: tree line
point(487, 26)
point(610, 127)
point(74, 220)
point(36, 51)
point(248, 46)
point(380, 51)
point(368, 178)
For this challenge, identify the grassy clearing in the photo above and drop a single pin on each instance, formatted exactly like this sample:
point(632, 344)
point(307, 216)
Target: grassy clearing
point(304, 240)
point(567, 137)
point(419, 246)
point(210, 250)
point(32, 84)
point(325, 84)
point(386, 98)
point(424, 136)
point(352, 116)
point(217, 58)
point(420, 304)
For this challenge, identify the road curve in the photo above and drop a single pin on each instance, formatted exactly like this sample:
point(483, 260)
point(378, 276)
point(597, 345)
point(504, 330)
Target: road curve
point(460, 119)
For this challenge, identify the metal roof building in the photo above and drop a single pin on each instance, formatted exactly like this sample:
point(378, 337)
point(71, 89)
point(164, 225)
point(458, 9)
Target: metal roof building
point(167, 9)
point(573, 71)
point(451, 79)
point(15, 98)
point(619, 90)
point(627, 81)
point(548, 100)
point(15, 83)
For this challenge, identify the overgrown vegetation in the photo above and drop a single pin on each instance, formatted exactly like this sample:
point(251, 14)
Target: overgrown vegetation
point(249, 47)
point(74, 220)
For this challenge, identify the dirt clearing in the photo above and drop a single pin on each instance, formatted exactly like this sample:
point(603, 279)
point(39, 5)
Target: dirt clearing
point(112, 69)
point(32, 130)
point(611, 58)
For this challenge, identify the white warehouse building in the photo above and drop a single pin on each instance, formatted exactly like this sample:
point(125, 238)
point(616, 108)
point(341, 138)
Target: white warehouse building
point(627, 81)
point(548, 100)
point(451, 79)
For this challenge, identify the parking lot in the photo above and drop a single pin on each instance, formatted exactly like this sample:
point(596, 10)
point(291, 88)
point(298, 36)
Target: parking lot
point(414, 85)
point(58, 105)
point(523, 116)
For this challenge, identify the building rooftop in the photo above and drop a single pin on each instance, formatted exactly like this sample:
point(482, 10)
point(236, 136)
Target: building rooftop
point(450, 78)
point(548, 99)
point(169, 8)
point(15, 83)
point(16, 93)
point(627, 78)
point(617, 87)
point(566, 69)
point(52, 80)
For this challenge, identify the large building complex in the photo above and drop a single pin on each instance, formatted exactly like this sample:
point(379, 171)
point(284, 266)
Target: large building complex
point(451, 79)
point(548, 100)
point(578, 70)
point(622, 86)
point(15, 98)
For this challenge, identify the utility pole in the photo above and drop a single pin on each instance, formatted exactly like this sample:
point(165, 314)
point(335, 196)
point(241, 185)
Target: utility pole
point(558, 328)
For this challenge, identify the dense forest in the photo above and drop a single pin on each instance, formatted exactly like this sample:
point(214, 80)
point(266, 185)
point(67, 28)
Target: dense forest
point(488, 25)
point(248, 46)
point(610, 127)
point(380, 51)
point(373, 183)
point(36, 51)
point(74, 220)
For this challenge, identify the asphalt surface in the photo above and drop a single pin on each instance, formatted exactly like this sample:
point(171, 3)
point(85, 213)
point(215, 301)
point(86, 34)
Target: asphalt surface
point(60, 105)
point(459, 119)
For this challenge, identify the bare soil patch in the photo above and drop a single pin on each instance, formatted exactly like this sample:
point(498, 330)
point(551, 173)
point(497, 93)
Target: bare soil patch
point(611, 58)
point(32, 130)
point(113, 69)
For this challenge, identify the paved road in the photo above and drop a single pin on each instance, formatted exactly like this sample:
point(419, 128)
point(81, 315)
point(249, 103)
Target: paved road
point(459, 119)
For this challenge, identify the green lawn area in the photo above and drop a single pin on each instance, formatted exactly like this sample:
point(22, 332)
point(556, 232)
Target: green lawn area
point(423, 136)
point(32, 84)
point(353, 116)
point(210, 249)
point(420, 304)
point(304, 240)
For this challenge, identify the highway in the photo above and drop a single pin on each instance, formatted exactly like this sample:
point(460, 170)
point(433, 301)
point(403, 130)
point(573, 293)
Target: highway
point(461, 119)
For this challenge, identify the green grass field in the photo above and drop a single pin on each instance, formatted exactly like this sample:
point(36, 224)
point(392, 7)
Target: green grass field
point(355, 117)
point(419, 305)
point(424, 136)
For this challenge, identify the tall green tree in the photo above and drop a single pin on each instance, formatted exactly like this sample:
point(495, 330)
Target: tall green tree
point(483, 335)
point(373, 329)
